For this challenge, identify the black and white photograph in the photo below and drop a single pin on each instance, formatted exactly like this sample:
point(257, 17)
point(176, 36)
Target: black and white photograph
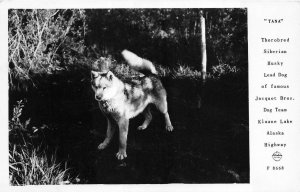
point(128, 96)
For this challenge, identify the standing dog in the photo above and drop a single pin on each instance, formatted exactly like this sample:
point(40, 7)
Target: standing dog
point(120, 101)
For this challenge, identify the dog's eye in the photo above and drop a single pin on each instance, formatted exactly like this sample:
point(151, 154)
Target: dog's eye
point(104, 88)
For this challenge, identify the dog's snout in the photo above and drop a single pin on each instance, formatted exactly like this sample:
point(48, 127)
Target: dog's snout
point(97, 97)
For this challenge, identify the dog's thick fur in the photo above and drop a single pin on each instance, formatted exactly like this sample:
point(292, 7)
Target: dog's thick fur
point(120, 101)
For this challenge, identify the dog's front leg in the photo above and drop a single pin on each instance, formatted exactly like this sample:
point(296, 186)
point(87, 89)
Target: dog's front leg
point(123, 131)
point(109, 134)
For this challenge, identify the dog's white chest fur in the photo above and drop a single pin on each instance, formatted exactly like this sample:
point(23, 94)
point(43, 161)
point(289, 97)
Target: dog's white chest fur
point(122, 106)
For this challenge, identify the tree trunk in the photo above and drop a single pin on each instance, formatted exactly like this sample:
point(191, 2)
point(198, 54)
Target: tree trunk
point(203, 46)
point(203, 59)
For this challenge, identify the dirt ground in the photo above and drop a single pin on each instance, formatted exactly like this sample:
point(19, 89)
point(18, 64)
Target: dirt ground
point(208, 145)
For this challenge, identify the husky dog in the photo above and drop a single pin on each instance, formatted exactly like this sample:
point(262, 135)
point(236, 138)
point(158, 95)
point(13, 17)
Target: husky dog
point(120, 101)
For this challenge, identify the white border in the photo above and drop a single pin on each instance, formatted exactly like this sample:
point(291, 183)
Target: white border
point(257, 177)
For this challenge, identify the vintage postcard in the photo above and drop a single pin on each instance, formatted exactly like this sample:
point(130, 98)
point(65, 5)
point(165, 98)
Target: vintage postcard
point(150, 95)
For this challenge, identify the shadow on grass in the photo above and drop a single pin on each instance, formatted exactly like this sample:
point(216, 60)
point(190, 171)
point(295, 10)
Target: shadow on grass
point(208, 145)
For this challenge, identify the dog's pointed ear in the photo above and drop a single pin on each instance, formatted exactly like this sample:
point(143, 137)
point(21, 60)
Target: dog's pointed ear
point(94, 74)
point(110, 75)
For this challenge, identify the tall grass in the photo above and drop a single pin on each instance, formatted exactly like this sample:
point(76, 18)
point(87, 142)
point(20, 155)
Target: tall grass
point(179, 72)
point(223, 69)
point(30, 164)
point(176, 73)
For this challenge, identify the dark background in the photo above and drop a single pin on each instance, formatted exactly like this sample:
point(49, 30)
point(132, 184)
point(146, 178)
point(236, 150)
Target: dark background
point(50, 54)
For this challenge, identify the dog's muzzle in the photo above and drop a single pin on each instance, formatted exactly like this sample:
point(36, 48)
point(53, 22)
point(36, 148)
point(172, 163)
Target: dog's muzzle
point(98, 98)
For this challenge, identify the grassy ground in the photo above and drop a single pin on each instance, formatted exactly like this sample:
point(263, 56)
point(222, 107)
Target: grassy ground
point(208, 145)
point(29, 163)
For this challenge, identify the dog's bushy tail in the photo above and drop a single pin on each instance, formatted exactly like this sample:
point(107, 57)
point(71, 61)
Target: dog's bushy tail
point(139, 64)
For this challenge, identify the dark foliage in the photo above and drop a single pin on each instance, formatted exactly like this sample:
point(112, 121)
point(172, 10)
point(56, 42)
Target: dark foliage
point(171, 36)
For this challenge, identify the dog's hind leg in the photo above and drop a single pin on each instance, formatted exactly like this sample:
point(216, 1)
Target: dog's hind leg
point(123, 131)
point(162, 106)
point(148, 118)
point(109, 134)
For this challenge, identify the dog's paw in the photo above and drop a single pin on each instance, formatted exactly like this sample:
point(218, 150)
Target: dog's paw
point(141, 127)
point(169, 128)
point(121, 155)
point(102, 146)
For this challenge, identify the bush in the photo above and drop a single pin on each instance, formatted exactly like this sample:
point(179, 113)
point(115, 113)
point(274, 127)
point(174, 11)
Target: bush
point(43, 41)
